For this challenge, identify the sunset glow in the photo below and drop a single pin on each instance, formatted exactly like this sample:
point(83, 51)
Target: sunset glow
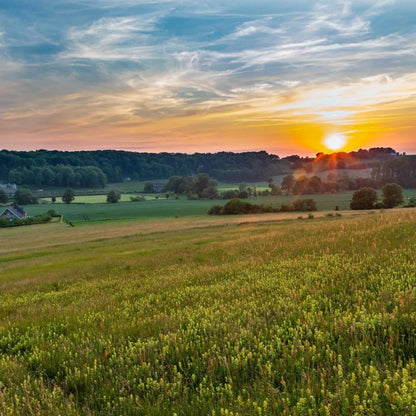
point(201, 77)
point(335, 141)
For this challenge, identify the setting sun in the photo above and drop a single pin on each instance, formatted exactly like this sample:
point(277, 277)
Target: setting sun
point(335, 141)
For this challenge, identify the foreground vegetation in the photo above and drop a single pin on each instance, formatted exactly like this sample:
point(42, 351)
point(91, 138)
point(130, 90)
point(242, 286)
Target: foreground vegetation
point(292, 318)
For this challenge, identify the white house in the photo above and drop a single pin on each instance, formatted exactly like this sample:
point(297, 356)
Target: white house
point(13, 213)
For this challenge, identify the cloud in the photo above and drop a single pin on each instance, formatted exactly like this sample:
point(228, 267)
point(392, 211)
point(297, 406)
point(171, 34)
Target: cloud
point(112, 39)
point(86, 65)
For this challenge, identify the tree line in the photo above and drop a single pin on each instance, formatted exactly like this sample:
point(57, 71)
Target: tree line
point(59, 175)
point(43, 167)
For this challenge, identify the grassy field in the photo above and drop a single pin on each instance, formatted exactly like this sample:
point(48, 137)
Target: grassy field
point(210, 316)
point(94, 208)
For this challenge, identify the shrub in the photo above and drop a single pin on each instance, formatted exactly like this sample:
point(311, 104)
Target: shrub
point(113, 197)
point(304, 205)
point(215, 210)
point(137, 198)
point(236, 206)
point(380, 205)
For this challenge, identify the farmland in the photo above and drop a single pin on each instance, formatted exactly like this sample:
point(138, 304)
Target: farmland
point(210, 316)
point(91, 209)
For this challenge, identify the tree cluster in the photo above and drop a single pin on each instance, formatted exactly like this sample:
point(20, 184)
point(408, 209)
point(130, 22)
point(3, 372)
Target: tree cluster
point(366, 198)
point(237, 207)
point(305, 185)
point(400, 170)
point(199, 187)
point(361, 159)
point(24, 196)
point(118, 165)
point(59, 175)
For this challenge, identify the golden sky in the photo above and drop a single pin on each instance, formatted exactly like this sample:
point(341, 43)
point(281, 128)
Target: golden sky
point(164, 76)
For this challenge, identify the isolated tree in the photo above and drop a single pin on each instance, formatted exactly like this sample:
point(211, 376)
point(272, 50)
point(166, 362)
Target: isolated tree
point(24, 196)
point(364, 198)
point(113, 197)
point(149, 187)
point(276, 190)
point(53, 199)
point(68, 196)
point(392, 195)
point(287, 183)
point(3, 197)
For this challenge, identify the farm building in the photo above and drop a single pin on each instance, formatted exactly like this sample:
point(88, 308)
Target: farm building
point(13, 213)
point(159, 187)
point(8, 188)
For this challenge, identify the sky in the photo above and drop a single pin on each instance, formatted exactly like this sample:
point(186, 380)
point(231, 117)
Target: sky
point(289, 77)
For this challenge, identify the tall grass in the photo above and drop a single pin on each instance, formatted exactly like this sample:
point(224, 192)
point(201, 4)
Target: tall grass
point(294, 318)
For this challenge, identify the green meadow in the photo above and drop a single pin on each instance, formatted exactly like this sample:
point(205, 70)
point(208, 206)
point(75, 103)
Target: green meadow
point(88, 208)
point(94, 208)
point(266, 315)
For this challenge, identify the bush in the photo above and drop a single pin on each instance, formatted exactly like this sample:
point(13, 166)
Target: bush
point(38, 219)
point(113, 197)
point(364, 198)
point(304, 205)
point(236, 206)
point(215, 210)
point(286, 208)
point(137, 198)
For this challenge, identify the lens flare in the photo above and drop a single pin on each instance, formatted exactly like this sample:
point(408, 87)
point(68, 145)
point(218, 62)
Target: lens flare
point(335, 141)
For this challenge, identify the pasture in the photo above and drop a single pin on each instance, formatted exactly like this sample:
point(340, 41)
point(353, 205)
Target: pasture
point(88, 208)
point(210, 316)
point(93, 210)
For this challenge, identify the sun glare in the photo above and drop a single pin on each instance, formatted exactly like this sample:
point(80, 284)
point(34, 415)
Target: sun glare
point(335, 141)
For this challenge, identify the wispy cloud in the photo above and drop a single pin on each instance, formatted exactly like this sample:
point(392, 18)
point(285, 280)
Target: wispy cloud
point(171, 67)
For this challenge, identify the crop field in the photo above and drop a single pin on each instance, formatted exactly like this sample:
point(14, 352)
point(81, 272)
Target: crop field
point(210, 316)
point(93, 210)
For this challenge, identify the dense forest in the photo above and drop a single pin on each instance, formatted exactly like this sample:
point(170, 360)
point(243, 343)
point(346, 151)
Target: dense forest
point(95, 168)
